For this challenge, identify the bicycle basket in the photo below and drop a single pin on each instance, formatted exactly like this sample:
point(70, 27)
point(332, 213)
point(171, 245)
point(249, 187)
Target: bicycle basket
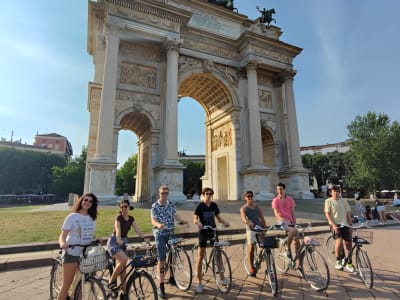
point(260, 238)
point(363, 237)
point(269, 242)
point(93, 263)
point(140, 261)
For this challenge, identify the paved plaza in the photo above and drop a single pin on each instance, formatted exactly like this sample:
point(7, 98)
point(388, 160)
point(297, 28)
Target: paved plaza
point(33, 283)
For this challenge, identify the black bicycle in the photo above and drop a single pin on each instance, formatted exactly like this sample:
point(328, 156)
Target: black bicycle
point(139, 283)
point(263, 253)
point(311, 264)
point(177, 261)
point(217, 260)
point(362, 265)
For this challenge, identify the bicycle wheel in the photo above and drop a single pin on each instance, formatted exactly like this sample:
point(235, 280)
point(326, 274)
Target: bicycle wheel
point(141, 286)
point(330, 249)
point(315, 269)
point(92, 290)
point(203, 263)
point(55, 278)
point(246, 262)
point(271, 271)
point(281, 260)
point(222, 271)
point(182, 269)
point(364, 268)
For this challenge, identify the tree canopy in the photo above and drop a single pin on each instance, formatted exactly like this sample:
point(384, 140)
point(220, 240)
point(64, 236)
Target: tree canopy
point(375, 142)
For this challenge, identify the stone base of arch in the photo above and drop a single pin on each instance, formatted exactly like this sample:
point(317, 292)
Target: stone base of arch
point(101, 180)
point(258, 180)
point(172, 176)
point(297, 182)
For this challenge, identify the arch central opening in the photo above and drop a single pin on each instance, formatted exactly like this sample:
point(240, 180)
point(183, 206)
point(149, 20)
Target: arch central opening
point(216, 100)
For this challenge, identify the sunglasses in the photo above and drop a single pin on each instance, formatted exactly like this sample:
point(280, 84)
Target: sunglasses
point(209, 194)
point(88, 199)
point(124, 206)
point(164, 193)
point(249, 196)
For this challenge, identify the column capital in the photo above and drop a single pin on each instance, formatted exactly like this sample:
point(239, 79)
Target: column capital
point(288, 75)
point(252, 66)
point(241, 73)
point(173, 44)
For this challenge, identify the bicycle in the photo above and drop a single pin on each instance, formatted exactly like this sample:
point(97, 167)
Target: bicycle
point(219, 261)
point(178, 261)
point(311, 264)
point(139, 283)
point(363, 264)
point(266, 244)
point(87, 286)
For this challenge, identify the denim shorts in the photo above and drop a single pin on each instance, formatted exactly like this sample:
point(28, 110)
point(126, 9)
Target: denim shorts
point(161, 244)
point(68, 258)
point(113, 246)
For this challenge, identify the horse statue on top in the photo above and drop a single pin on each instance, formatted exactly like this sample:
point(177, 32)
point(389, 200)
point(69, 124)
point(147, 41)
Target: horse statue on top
point(266, 15)
point(225, 3)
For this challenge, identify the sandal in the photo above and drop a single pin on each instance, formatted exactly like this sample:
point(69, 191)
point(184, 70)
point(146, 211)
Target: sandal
point(112, 285)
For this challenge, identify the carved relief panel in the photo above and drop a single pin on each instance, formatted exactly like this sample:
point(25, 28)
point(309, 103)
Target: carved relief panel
point(221, 137)
point(265, 99)
point(138, 75)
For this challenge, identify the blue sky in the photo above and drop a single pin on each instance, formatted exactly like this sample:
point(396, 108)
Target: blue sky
point(349, 66)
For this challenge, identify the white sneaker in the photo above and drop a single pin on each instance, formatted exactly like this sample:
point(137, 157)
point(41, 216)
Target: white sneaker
point(338, 265)
point(225, 281)
point(349, 268)
point(381, 223)
point(199, 289)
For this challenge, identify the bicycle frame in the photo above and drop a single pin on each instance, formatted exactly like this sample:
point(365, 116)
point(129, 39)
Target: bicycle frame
point(133, 271)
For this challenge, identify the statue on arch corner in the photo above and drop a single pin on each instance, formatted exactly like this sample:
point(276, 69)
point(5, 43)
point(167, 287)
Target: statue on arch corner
point(266, 16)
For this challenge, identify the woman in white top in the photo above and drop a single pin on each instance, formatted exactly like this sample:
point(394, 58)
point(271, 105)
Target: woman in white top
point(78, 228)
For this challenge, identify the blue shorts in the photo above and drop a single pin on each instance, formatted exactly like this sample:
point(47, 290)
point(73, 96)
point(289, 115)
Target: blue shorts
point(161, 239)
point(113, 246)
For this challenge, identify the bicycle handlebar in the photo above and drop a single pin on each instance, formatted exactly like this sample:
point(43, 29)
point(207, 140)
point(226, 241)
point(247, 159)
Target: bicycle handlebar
point(271, 227)
point(214, 228)
point(354, 227)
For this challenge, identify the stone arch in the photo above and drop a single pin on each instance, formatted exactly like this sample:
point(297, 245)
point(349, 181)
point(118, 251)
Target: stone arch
point(142, 124)
point(214, 95)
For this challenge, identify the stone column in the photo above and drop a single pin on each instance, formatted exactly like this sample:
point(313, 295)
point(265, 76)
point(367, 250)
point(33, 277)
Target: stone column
point(171, 104)
point(256, 157)
point(104, 141)
point(293, 132)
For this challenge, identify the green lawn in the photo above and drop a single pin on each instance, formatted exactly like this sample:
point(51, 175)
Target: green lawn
point(22, 225)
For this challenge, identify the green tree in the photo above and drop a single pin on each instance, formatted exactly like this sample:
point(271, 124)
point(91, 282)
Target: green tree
point(71, 178)
point(25, 171)
point(374, 151)
point(191, 176)
point(126, 176)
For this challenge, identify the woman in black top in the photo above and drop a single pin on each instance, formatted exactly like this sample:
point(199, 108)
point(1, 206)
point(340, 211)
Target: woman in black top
point(122, 225)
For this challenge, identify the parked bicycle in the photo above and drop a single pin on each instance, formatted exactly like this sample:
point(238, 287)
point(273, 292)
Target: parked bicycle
point(310, 263)
point(362, 264)
point(177, 261)
point(217, 260)
point(264, 253)
point(88, 286)
point(139, 283)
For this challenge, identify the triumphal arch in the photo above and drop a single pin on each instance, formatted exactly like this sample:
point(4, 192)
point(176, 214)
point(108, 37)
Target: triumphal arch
point(148, 54)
